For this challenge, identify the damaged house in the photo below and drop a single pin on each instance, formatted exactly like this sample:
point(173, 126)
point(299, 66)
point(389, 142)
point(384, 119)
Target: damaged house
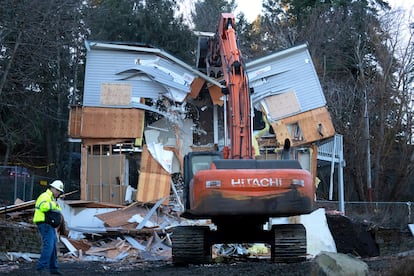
point(135, 123)
point(143, 110)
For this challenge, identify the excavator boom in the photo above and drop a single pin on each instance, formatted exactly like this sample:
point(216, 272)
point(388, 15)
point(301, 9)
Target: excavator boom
point(226, 54)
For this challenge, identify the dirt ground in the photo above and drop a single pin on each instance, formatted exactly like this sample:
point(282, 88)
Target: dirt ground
point(394, 257)
point(390, 265)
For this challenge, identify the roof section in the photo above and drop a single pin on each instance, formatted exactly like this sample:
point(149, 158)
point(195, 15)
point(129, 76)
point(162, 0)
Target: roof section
point(285, 82)
point(119, 75)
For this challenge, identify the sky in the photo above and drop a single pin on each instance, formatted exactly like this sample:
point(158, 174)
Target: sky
point(252, 8)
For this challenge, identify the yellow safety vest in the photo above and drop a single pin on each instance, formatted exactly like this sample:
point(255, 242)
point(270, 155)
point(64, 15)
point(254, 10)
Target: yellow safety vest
point(45, 202)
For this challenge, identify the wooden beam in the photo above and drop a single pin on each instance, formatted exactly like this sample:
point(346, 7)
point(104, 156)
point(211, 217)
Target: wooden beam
point(84, 169)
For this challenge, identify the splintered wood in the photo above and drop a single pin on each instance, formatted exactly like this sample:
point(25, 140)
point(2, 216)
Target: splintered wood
point(130, 241)
point(154, 182)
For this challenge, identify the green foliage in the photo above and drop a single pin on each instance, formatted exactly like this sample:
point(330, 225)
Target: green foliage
point(150, 22)
point(38, 39)
point(207, 13)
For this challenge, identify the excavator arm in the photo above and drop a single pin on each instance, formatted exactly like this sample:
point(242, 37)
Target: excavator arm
point(225, 55)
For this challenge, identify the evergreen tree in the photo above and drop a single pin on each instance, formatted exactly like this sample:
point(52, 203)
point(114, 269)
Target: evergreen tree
point(207, 13)
point(40, 42)
point(151, 22)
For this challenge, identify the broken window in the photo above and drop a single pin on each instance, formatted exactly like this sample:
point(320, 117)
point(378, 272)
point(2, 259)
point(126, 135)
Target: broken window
point(295, 132)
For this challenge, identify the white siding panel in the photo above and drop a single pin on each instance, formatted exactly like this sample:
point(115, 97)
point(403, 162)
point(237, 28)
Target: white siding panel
point(288, 70)
point(103, 66)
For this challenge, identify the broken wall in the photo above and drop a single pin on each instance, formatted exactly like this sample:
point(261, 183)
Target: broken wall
point(305, 128)
point(106, 181)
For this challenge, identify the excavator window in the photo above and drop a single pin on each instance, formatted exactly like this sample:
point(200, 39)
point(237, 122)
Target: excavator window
point(258, 122)
point(201, 163)
point(195, 161)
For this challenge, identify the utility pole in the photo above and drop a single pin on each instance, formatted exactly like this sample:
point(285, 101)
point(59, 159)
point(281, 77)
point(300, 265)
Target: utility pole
point(359, 54)
point(367, 137)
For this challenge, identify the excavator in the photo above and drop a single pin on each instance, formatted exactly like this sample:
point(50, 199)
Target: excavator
point(237, 192)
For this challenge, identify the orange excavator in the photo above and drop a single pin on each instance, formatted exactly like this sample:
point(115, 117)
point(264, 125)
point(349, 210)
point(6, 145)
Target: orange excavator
point(237, 192)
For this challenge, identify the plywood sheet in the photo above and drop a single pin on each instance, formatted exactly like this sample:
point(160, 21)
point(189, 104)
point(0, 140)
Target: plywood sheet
point(153, 186)
point(149, 164)
point(120, 217)
point(196, 86)
point(216, 94)
point(75, 120)
point(282, 105)
point(116, 94)
point(104, 178)
point(309, 125)
point(112, 122)
point(154, 182)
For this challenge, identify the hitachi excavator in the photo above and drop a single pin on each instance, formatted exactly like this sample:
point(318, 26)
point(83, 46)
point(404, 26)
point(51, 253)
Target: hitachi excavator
point(237, 192)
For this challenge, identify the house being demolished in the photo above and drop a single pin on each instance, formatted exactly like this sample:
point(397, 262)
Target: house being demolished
point(143, 110)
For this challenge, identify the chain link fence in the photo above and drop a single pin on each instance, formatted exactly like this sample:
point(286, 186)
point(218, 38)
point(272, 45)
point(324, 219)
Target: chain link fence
point(385, 214)
point(19, 183)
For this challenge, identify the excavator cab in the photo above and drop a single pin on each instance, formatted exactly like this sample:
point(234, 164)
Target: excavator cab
point(194, 162)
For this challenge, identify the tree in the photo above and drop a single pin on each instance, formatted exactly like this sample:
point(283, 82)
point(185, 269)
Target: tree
point(207, 13)
point(38, 42)
point(149, 22)
point(279, 30)
point(352, 54)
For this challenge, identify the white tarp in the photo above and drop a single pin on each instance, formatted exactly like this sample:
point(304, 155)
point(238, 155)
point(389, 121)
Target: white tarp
point(318, 235)
point(164, 157)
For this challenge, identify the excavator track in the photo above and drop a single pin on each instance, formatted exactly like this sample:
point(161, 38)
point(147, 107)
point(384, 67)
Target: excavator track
point(189, 245)
point(289, 243)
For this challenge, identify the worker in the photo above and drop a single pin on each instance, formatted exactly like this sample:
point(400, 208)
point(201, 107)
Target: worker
point(286, 153)
point(48, 218)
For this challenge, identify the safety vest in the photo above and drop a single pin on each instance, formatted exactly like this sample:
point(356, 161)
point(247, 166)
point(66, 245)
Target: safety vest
point(45, 202)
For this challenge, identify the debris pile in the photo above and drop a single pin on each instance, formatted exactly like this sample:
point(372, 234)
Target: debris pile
point(127, 233)
point(107, 232)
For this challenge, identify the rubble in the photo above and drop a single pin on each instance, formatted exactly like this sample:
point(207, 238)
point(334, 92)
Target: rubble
point(111, 233)
point(113, 243)
point(107, 232)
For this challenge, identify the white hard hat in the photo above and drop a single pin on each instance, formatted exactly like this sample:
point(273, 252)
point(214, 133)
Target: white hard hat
point(58, 185)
